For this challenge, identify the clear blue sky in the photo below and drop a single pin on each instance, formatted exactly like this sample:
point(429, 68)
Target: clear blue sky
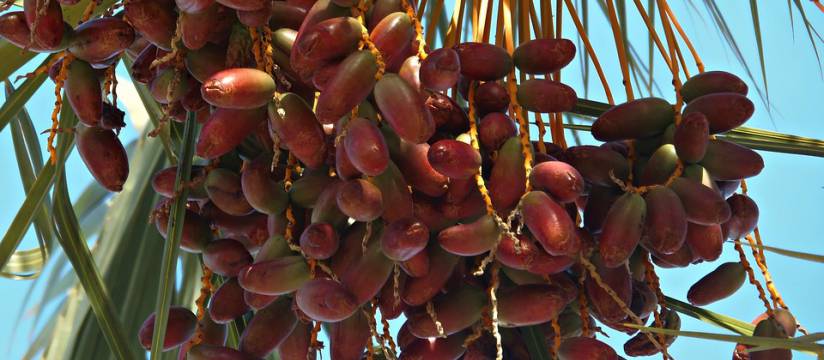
point(790, 190)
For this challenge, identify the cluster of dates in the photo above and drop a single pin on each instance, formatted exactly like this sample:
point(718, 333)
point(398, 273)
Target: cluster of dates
point(95, 46)
point(675, 198)
point(382, 198)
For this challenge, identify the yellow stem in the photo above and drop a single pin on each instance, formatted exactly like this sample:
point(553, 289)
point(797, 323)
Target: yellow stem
point(673, 64)
point(421, 8)
point(698, 63)
point(58, 104)
point(366, 42)
point(582, 32)
point(651, 28)
point(537, 31)
point(493, 299)
point(751, 276)
point(653, 282)
point(523, 133)
point(583, 308)
point(556, 336)
point(622, 51)
point(433, 21)
point(453, 34)
point(546, 19)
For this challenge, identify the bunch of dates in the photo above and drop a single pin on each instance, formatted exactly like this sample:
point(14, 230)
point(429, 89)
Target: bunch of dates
point(336, 178)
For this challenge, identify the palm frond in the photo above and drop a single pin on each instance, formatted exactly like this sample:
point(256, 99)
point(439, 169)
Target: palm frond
point(13, 59)
point(789, 253)
point(38, 191)
point(756, 24)
point(710, 317)
point(175, 231)
point(27, 264)
point(810, 348)
point(754, 138)
point(535, 343)
point(126, 248)
point(721, 24)
point(17, 99)
point(810, 30)
point(74, 245)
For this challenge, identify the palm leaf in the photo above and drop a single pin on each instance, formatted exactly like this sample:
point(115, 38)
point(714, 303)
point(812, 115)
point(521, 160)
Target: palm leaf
point(790, 13)
point(16, 100)
point(27, 264)
point(789, 253)
point(41, 341)
point(754, 138)
point(756, 24)
point(814, 337)
point(91, 198)
point(721, 24)
point(65, 324)
point(810, 31)
point(175, 230)
point(87, 204)
point(124, 235)
point(74, 245)
point(710, 317)
point(13, 58)
point(126, 247)
point(128, 253)
point(535, 342)
point(737, 339)
point(650, 45)
point(39, 190)
point(190, 286)
point(42, 222)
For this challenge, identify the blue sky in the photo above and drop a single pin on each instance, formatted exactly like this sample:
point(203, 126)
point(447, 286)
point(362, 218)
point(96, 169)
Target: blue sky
point(789, 191)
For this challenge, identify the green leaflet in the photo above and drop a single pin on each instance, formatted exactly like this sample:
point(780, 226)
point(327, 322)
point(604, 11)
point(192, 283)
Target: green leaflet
point(710, 317)
point(535, 342)
point(27, 264)
point(785, 252)
point(175, 230)
point(739, 339)
point(756, 24)
point(74, 245)
point(18, 98)
point(757, 139)
point(39, 190)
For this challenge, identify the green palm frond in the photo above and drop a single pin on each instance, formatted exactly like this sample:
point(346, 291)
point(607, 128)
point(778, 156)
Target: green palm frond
point(807, 347)
point(789, 253)
point(754, 138)
point(756, 24)
point(15, 101)
point(38, 191)
point(535, 340)
point(712, 318)
point(175, 231)
point(28, 264)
